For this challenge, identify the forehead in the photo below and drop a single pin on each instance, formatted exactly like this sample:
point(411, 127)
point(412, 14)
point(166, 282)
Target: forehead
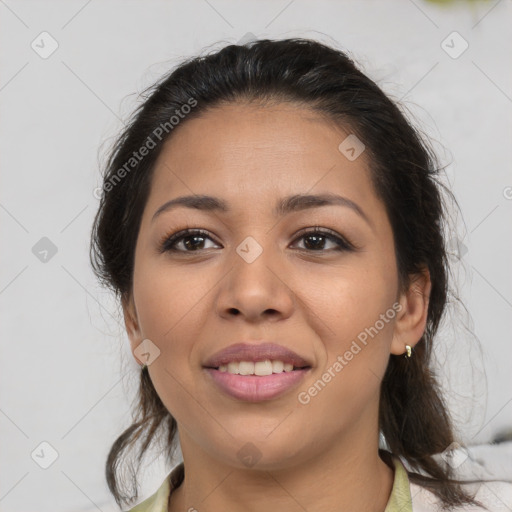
point(252, 154)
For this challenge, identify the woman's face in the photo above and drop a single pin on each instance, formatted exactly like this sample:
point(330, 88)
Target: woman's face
point(256, 278)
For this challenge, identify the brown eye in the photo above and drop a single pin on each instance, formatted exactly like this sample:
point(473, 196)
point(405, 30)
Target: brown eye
point(192, 240)
point(316, 239)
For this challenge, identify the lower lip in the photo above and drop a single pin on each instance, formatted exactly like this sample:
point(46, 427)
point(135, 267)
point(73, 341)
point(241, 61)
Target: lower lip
point(254, 388)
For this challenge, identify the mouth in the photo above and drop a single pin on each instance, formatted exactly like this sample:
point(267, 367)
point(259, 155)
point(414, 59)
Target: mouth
point(256, 372)
point(258, 368)
point(256, 388)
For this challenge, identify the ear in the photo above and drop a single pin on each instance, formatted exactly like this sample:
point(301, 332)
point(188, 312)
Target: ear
point(412, 317)
point(132, 324)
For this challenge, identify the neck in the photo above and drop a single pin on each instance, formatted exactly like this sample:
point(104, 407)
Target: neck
point(348, 475)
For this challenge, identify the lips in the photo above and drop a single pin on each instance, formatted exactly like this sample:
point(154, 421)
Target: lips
point(256, 352)
point(230, 371)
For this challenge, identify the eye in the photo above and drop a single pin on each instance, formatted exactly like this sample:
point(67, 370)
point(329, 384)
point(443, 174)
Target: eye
point(316, 238)
point(194, 240)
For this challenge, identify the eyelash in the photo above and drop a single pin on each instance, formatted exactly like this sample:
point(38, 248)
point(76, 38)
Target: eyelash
point(169, 241)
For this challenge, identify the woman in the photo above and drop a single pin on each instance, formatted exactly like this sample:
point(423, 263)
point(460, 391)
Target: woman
point(273, 228)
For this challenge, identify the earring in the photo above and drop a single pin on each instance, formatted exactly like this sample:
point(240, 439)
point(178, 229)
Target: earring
point(409, 350)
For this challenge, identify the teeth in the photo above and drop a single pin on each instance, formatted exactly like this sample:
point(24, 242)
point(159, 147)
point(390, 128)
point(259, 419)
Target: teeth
point(260, 368)
point(246, 368)
point(277, 366)
point(233, 368)
point(263, 367)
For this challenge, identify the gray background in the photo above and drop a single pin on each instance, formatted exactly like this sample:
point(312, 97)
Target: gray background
point(66, 375)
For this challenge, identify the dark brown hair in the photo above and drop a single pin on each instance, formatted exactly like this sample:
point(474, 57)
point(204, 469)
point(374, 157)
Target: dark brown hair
point(413, 416)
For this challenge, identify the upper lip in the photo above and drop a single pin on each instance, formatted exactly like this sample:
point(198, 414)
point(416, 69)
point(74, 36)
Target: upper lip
point(255, 352)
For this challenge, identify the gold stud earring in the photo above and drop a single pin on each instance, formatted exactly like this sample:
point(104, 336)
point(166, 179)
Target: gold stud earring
point(409, 350)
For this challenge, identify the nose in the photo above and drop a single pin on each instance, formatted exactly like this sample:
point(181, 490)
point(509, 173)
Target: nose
point(255, 290)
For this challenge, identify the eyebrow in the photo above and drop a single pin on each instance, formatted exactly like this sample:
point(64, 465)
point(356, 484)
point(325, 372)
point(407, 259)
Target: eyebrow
point(284, 206)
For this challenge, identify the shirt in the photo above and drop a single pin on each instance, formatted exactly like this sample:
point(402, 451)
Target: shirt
point(406, 496)
point(399, 500)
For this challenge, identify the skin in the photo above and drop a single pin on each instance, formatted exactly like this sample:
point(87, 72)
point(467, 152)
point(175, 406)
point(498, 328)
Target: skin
point(320, 456)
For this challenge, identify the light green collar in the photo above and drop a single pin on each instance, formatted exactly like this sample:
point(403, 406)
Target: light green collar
point(400, 499)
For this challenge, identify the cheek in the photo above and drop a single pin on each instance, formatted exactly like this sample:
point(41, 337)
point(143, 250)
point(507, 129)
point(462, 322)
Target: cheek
point(355, 307)
point(169, 304)
point(167, 298)
point(356, 344)
point(348, 300)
